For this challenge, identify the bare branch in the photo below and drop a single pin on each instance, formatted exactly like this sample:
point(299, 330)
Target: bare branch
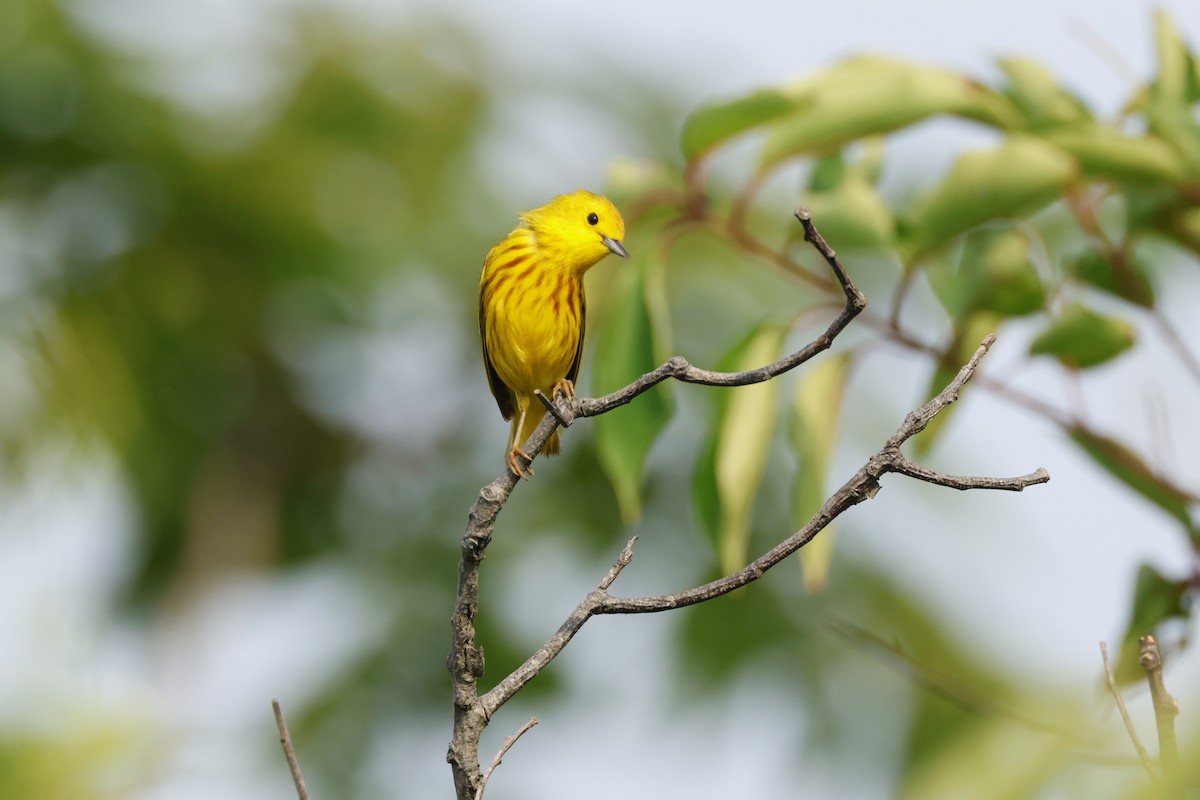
point(963, 482)
point(508, 743)
point(862, 486)
point(465, 662)
point(285, 739)
point(1111, 682)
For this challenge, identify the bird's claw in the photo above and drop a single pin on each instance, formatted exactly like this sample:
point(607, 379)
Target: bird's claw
point(521, 471)
point(566, 387)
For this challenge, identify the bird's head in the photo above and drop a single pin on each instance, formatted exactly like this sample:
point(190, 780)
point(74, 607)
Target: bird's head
point(581, 228)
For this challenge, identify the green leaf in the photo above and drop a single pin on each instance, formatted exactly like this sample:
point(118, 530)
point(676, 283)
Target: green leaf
point(816, 416)
point(993, 273)
point(731, 468)
point(853, 214)
point(868, 95)
point(1118, 273)
point(1129, 468)
point(628, 350)
point(1176, 78)
point(1168, 104)
point(828, 172)
point(1081, 338)
point(1103, 152)
point(997, 274)
point(1039, 96)
point(1156, 599)
point(1021, 175)
point(713, 124)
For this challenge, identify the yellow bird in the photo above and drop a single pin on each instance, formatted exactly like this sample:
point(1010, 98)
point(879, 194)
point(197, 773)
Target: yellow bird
point(531, 307)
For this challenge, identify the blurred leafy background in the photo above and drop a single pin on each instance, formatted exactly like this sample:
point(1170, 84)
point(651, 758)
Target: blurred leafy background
point(244, 415)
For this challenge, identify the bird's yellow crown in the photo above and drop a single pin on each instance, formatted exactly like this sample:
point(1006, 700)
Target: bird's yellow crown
point(577, 229)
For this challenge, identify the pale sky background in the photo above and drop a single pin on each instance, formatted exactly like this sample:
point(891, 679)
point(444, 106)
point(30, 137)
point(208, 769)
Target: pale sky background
point(63, 534)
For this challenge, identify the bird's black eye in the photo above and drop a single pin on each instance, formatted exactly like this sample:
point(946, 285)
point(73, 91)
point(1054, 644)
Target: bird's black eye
point(592, 218)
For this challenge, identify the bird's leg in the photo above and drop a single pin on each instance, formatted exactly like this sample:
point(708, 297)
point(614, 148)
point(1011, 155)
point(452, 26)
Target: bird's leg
point(515, 450)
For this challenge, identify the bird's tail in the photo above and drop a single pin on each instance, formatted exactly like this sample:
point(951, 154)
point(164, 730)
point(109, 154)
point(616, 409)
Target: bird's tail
point(532, 418)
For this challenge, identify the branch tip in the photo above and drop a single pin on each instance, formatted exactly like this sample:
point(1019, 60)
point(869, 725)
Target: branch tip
point(285, 740)
point(552, 408)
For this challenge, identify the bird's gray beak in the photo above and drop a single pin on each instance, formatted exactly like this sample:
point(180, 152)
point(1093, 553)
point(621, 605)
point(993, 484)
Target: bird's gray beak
point(615, 246)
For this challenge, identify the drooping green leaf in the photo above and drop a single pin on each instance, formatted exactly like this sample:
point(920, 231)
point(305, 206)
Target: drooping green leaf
point(853, 214)
point(1119, 273)
point(731, 469)
point(713, 124)
point(1082, 338)
point(1156, 599)
point(816, 415)
point(868, 95)
point(1021, 175)
point(629, 349)
point(1129, 468)
point(1040, 97)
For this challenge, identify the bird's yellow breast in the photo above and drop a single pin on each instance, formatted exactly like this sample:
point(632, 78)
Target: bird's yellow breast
point(534, 316)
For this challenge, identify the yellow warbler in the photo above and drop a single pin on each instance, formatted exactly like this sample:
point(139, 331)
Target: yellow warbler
point(531, 307)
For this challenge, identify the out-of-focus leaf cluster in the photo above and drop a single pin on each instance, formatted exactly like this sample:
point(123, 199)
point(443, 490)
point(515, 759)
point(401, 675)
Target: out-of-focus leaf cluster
point(1055, 222)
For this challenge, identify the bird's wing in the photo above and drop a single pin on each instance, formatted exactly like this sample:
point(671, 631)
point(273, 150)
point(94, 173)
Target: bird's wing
point(573, 371)
point(503, 394)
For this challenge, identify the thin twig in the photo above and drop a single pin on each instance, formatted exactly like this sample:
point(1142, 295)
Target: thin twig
point(285, 739)
point(1110, 681)
point(621, 563)
point(508, 743)
point(1165, 707)
point(1176, 341)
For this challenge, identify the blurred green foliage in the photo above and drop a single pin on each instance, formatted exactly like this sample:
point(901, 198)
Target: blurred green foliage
point(197, 297)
